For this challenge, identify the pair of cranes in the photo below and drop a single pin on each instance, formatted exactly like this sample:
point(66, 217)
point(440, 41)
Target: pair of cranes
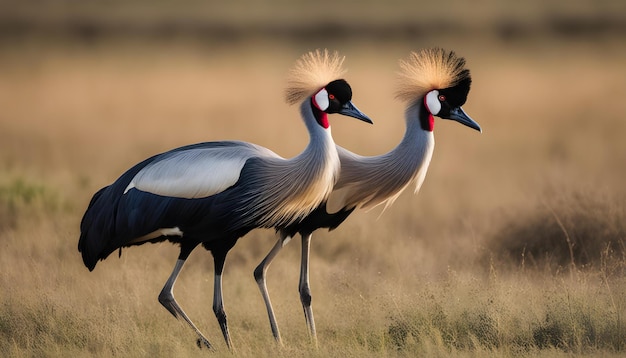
point(213, 193)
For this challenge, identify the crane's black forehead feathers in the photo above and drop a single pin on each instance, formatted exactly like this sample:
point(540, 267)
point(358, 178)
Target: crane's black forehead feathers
point(457, 94)
point(340, 89)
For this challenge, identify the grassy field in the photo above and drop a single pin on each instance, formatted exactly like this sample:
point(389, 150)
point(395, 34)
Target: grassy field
point(515, 246)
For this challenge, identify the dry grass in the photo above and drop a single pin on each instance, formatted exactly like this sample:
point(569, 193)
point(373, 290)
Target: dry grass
point(446, 273)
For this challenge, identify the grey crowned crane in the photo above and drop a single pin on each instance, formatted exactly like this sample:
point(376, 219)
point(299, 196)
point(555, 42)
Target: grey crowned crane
point(433, 82)
point(214, 193)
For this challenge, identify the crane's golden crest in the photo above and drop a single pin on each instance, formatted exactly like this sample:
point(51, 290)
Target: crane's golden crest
point(311, 72)
point(429, 69)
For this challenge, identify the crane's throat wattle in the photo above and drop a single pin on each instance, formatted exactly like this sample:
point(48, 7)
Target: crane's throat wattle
point(430, 124)
point(320, 116)
point(427, 120)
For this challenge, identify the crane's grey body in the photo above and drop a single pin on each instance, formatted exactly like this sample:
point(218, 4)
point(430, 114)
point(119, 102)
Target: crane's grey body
point(209, 194)
point(432, 77)
point(277, 190)
point(231, 186)
point(214, 193)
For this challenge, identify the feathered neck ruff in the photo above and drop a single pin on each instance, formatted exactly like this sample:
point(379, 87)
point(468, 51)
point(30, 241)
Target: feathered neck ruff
point(429, 69)
point(311, 72)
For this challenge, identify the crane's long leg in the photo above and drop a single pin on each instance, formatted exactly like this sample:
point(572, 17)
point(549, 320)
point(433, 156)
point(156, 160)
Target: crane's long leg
point(218, 300)
point(304, 288)
point(166, 298)
point(260, 277)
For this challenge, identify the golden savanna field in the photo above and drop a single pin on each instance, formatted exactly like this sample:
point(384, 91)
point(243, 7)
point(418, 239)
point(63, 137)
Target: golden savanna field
point(515, 245)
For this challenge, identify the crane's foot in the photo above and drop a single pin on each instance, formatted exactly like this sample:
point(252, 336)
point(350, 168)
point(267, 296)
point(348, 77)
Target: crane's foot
point(203, 342)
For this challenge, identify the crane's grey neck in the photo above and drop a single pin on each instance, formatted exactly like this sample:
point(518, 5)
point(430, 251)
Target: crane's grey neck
point(370, 181)
point(416, 116)
point(321, 150)
point(411, 157)
point(412, 153)
point(294, 187)
point(316, 131)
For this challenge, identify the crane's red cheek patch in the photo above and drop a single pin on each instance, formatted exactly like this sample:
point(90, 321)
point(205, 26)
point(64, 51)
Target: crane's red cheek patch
point(430, 125)
point(322, 119)
point(320, 115)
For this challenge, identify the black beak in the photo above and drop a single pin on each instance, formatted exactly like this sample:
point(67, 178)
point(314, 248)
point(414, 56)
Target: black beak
point(350, 110)
point(457, 114)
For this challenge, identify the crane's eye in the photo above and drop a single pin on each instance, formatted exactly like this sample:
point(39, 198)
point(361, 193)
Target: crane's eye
point(331, 96)
point(442, 98)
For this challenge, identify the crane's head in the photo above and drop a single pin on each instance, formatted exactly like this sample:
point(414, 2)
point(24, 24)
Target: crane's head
point(440, 80)
point(316, 76)
point(336, 97)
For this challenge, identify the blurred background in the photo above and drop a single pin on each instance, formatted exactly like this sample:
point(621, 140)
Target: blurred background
point(89, 88)
point(302, 21)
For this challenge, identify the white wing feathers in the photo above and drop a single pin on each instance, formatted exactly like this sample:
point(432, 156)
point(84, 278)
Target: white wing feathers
point(195, 173)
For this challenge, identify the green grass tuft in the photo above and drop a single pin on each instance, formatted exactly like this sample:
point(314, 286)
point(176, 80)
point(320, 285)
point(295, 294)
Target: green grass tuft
point(21, 198)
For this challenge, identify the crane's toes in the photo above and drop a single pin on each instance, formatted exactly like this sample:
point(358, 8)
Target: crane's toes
point(203, 342)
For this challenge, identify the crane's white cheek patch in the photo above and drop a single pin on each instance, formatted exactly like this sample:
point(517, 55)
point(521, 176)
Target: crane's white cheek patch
point(321, 99)
point(432, 102)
